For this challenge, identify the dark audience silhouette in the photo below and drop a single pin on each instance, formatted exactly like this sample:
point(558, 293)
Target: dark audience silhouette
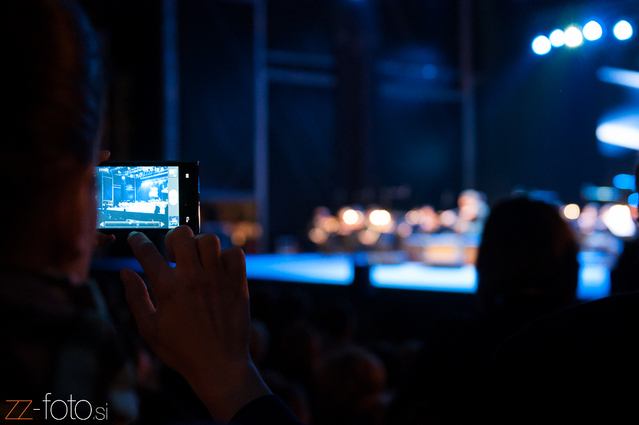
point(526, 267)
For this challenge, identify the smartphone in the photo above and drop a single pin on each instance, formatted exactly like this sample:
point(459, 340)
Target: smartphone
point(153, 197)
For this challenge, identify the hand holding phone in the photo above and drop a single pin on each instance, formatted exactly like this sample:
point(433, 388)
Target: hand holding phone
point(200, 323)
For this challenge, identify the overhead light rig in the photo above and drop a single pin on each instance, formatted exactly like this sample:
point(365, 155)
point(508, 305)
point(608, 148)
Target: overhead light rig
point(574, 35)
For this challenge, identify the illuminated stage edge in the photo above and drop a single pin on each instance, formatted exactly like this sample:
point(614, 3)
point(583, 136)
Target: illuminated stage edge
point(339, 269)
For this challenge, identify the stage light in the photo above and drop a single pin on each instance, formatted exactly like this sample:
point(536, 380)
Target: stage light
point(633, 200)
point(592, 31)
point(557, 38)
point(413, 217)
point(606, 194)
point(621, 132)
point(622, 30)
point(317, 236)
point(329, 224)
point(448, 218)
point(404, 230)
point(622, 77)
point(588, 218)
point(624, 181)
point(600, 193)
point(574, 37)
point(571, 211)
point(541, 45)
point(429, 221)
point(379, 217)
point(619, 221)
point(350, 217)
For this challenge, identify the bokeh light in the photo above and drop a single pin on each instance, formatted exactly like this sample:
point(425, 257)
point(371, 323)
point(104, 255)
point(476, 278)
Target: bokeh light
point(622, 30)
point(448, 218)
point(317, 236)
point(404, 230)
point(541, 45)
point(413, 217)
point(619, 221)
point(571, 211)
point(592, 31)
point(624, 181)
point(368, 237)
point(350, 217)
point(379, 217)
point(557, 38)
point(574, 37)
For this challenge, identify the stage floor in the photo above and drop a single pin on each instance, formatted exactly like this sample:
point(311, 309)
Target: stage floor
point(339, 269)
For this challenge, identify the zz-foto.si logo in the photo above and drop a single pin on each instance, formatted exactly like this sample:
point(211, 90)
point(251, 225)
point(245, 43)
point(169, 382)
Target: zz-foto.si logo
point(57, 410)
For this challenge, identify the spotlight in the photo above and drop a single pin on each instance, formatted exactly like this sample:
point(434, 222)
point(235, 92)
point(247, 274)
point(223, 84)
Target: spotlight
point(622, 30)
point(541, 45)
point(350, 217)
point(571, 211)
point(379, 217)
point(619, 221)
point(574, 37)
point(624, 133)
point(557, 38)
point(592, 31)
point(624, 181)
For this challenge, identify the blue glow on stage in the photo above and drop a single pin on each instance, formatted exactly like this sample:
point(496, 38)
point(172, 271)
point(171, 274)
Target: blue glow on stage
point(335, 269)
point(339, 269)
point(619, 76)
point(414, 275)
point(594, 282)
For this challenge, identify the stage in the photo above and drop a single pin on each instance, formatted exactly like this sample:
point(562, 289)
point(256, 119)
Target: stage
point(340, 269)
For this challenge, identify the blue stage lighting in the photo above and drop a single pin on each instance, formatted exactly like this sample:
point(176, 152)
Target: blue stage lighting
point(622, 30)
point(574, 37)
point(622, 131)
point(624, 181)
point(622, 77)
point(557, 38)
point(592, 31)
point(541, 45)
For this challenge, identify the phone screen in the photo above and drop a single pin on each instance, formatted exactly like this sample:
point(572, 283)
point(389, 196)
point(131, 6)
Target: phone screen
point(138, 197)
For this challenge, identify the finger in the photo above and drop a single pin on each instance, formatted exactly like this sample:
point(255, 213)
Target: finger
point(102, 239)
point(208, 247)
point(181, 247)
point(149, 258)
point(233, 264)
point(138, 299)
point(103, 156)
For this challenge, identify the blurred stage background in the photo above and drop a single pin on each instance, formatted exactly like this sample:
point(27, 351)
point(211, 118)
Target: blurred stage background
point(301, 110)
